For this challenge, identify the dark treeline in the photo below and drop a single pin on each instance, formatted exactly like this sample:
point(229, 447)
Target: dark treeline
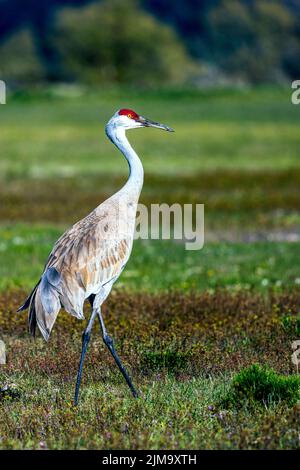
point(251, 40)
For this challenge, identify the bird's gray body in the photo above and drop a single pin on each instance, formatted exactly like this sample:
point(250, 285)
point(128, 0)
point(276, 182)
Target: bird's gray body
point(89, 257)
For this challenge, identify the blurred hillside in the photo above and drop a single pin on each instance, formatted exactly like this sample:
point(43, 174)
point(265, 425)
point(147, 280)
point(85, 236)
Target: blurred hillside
point(147, 43)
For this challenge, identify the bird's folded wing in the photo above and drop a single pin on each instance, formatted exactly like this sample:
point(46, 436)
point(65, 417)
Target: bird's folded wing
point(87, 260)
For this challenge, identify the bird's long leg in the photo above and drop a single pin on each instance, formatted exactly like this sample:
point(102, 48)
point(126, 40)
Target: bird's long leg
point(85, 341)
point(110, 344)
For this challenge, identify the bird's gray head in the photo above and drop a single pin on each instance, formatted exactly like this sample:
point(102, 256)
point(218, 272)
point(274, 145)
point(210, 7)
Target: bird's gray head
point(129, 119)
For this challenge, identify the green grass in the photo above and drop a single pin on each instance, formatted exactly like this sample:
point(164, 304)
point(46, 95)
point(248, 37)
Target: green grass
point(261, 385)
point(25, 248)
point(169, 415)
point(63, 136)
point(182, 352)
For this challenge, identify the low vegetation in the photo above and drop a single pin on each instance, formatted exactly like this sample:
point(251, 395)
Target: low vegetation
point(182, 351)
point(232, 265)
point(239, 199)
point(261, 385)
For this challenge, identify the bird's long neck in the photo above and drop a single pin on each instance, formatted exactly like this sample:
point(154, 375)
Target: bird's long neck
point(134, 184)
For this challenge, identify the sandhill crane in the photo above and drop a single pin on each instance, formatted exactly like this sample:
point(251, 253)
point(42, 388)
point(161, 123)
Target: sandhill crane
point(88, 258)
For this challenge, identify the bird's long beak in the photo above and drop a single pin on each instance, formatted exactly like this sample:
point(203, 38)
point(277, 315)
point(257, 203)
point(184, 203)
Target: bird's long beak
point(148, 123)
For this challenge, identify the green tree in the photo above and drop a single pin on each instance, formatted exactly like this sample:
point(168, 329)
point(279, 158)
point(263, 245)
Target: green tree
point(19, 63)
point(115, 41)
point(249, 39)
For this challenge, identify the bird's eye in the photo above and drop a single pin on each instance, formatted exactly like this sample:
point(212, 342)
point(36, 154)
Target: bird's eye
point(129, 115)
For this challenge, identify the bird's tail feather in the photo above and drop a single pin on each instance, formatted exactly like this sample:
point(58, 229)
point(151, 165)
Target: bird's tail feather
point(32, 314)
point(27, 302)
point(44, 303)
point(30, 304)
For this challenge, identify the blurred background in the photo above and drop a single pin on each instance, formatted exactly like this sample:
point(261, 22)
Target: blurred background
point(148, 43)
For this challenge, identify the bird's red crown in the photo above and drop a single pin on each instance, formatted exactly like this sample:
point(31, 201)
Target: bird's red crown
point(129, 113)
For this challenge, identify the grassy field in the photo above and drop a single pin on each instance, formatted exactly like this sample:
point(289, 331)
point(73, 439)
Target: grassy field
point(235, 266)
point(44, 136)
point(181, 349)
point(184, 322)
